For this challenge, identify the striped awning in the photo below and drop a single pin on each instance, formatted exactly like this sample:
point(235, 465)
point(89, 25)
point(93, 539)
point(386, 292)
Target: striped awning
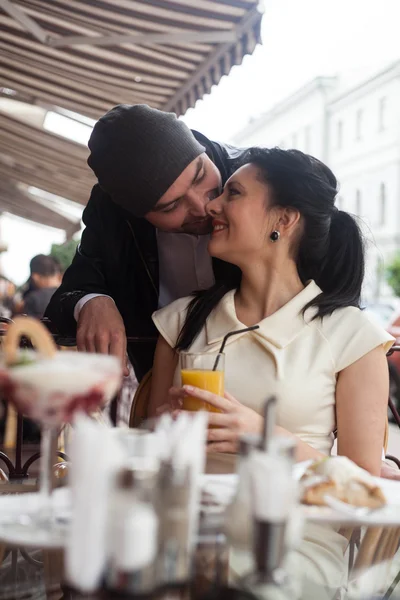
point(31, 157)
point(34, 157)
point(89, 56)
point(86, 57)
point(19, 202)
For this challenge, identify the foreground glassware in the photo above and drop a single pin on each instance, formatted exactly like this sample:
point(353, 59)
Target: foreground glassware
point(133, 536)
point(274, 500)
point(50, 388)
point(204, 371)
point(239, 514)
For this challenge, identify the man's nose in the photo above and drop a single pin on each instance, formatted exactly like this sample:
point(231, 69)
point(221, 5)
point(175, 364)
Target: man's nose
point(214, 207)
point(197, 204)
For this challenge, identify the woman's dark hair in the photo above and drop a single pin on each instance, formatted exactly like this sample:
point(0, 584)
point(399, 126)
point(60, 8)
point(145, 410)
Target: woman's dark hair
point(329, 249)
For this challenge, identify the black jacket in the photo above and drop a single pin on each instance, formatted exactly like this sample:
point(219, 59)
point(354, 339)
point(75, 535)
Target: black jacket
point(118, 256)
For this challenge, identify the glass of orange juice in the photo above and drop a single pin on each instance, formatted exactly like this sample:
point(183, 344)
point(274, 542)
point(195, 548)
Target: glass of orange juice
point(198, 370)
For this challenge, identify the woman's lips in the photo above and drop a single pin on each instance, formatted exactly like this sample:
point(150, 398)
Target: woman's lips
point(218, 226)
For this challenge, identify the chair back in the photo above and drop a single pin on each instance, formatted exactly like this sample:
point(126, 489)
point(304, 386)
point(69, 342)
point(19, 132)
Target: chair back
point(386, 436)
point(374, 549)
point(139, 408)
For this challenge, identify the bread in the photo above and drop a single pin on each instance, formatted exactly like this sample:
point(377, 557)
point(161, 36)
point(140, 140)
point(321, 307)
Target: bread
point(35, 331)
point(340, 478)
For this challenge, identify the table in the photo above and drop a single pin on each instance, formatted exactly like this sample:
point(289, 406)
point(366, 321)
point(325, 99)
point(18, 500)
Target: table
point(35, 574)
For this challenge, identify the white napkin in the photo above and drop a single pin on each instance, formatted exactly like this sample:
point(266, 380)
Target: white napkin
point(96, 455)
point(273, 487)
point(138, 443)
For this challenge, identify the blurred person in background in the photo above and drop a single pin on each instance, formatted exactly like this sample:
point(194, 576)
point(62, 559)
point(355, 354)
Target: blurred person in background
point(7, 297)
point(44, 279)
point(32, 299)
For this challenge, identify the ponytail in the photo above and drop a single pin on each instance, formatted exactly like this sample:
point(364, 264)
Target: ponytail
point(341, 272)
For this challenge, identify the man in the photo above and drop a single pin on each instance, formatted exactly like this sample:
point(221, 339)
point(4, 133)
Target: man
point(45, 278)
point(145, 242)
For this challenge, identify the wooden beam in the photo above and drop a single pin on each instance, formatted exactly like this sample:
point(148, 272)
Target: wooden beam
point(207, 37)
point(248, 22)
point(25, 20)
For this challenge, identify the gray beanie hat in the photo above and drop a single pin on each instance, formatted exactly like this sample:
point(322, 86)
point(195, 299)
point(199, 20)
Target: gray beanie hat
point(137, 153)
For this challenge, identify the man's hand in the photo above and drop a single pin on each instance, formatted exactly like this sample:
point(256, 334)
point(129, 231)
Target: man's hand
point(101, 329)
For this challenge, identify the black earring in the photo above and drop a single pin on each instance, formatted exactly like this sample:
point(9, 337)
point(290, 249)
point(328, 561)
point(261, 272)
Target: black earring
point(275, 235)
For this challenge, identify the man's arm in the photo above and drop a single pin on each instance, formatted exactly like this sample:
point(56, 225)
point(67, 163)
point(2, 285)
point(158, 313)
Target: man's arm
point(100, 327)
point(86, 273)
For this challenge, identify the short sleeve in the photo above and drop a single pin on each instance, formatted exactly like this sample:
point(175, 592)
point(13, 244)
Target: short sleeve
point(170, 319)
point(352, 334)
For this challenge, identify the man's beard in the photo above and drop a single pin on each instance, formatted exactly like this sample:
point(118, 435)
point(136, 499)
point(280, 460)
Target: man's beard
point(199, 227)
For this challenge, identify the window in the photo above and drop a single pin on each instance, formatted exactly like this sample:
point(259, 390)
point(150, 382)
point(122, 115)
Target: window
point(307, 138)
point(382, 204)
point(359, 121)
point(339, 134)
point(358, 203)
point(294, 140)
point(382, 114)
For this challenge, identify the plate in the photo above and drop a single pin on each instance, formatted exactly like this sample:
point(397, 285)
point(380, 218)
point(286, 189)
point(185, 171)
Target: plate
point(389, 515)
point(18, 525)
point(222, 489)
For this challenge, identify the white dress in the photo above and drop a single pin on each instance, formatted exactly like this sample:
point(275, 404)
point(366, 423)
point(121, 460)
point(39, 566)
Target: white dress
point(297, 359)
point(290, 355)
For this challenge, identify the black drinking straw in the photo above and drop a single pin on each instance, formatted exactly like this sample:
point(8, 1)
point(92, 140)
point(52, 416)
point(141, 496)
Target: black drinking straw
point(269, 414)
point(228, 335)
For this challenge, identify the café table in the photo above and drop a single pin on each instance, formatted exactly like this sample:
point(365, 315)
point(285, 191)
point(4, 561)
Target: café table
point(34, 573)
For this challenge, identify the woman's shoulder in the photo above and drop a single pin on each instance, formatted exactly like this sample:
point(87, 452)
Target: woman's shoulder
point(175, 308)
point(351, 334)
point(170, 319)
point(348, 318)
point(180, 306)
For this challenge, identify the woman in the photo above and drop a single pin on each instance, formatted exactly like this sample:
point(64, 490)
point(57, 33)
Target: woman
point(301, 267)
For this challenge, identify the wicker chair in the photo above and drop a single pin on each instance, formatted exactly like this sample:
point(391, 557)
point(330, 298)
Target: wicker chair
point(140, 402)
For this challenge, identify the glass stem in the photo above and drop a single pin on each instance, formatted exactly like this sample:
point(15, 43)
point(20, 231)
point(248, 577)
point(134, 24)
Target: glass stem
point(47, 459)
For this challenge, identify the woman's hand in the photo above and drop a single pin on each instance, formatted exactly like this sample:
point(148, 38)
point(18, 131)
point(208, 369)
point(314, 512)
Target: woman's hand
point(226, 426)
point(173, 404)
point(389, 471)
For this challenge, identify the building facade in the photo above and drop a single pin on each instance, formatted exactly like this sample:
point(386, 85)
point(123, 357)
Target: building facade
point(355, 129)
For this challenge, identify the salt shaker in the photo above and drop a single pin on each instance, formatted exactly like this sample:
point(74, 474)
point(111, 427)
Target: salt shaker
point(274, 495)
point(239, 524)
point(174, 563)
point(133, 536)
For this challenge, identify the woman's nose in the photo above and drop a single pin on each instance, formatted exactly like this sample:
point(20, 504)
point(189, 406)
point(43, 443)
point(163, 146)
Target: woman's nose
point(214, 207)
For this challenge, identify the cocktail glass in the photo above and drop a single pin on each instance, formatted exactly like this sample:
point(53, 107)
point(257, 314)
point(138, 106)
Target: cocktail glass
point(50, 390)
